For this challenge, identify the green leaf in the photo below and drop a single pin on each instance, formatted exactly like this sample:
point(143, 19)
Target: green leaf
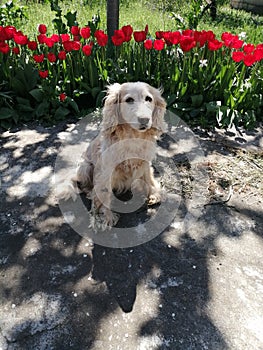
point(212, 107)
point(85, 86)
point(4, 95)
point(71, 18)
point(25, 108)
point(100, 98)
point(18, 86)
point(15, 117)
point(171, 99)
point(6, 113)
point(73, 105)
point(197, 100)
point(22, 101)
point(54, 6)
point(231, 101)
point(183, 90)
point(61, 113)
point(24, 80)
point(42, 109)
point(31, 76)
point(183, 106)
point(38, 94)
point(6, 124)
point(95, 91)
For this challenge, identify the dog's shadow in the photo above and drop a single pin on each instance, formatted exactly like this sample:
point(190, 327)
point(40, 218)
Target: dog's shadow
point(121, 268)
point(117, 268)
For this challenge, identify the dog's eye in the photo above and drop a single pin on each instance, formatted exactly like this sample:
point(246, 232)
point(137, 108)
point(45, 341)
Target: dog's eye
point(129, 100)
point(148, 99)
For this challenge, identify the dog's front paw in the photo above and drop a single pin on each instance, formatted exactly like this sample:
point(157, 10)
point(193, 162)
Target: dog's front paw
point(157, 197)
point(103, 219)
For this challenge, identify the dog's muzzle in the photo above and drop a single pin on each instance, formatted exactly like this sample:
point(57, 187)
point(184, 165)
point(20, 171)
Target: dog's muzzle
point(144, 123)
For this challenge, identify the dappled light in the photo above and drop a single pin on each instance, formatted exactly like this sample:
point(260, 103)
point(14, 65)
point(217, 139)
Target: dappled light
point(195, 285)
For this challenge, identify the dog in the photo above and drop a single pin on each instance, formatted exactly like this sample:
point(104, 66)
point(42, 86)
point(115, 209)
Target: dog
point(120, 158)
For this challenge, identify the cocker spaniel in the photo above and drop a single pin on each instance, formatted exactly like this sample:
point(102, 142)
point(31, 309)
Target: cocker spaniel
point(120, 158)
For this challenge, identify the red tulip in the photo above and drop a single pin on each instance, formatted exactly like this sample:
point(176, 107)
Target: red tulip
point(39, 58)
point(55, 38)
point(214, 45)
point(148, 44)
point(51, 57)
point(62, 97)
point(187, 43)
point(4, 48)
point(41, 38)
point(74, 30)
point(69, 45)
point(62, 55)
point(127, 30)
point(64, 37)
point(49, 42)
point(249, 60)
point(232, 41)
point(249, 48)
point(85, 32)
point(20, 39)
point(258, 53)
point(87, 49)
point(158, 44)
point(32, 45)
point(139, 36)
point(118, 38)
point(43, 74)
point(16, 50)
point(42, 28)
point(237, 56)
point(101, 37)
point(76, 45)
point(7, 33)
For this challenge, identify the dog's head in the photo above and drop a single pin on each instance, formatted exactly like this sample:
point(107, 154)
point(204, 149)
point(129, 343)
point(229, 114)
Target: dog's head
point(137, 104)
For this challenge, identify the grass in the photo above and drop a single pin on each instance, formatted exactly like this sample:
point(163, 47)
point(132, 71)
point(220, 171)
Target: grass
point(141, 12)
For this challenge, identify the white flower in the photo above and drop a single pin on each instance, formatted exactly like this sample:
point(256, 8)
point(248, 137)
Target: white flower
point(247, 84)
point(203, 63)
point(242, 35)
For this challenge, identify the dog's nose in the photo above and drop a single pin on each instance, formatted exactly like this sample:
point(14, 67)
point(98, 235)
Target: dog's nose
point(143, 121)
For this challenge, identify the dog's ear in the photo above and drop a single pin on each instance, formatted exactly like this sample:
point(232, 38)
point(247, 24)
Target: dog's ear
point(159, 110)
point(111, 108)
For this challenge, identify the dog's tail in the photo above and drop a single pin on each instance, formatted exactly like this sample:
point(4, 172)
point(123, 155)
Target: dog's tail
point(66, 187)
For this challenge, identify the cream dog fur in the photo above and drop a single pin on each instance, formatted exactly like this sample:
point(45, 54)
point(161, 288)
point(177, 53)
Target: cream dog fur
point(120, 157)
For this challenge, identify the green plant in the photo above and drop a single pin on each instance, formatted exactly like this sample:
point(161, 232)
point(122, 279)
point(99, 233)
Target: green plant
point(12, 13)
point(206, 80)
point(59, 25)
point(192, 17)
point(8, 115)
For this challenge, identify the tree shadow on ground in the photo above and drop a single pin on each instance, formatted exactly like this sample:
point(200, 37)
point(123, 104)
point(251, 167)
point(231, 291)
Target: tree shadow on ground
point(57, 288)
point(182, 282)
point(233, 20)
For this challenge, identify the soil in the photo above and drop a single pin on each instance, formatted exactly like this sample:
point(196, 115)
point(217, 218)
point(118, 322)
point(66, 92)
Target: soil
point(196, 284)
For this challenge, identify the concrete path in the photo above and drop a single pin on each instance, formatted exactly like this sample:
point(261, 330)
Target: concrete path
point(196, 285)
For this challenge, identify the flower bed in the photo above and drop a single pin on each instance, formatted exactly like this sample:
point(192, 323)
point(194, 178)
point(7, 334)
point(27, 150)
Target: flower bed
point(206, 80)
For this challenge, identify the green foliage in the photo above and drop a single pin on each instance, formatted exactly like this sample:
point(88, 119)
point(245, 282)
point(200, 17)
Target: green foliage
point(201, 85)
point(8, 115)
point(12, 13)
point(193, 16)
point(59, 25)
